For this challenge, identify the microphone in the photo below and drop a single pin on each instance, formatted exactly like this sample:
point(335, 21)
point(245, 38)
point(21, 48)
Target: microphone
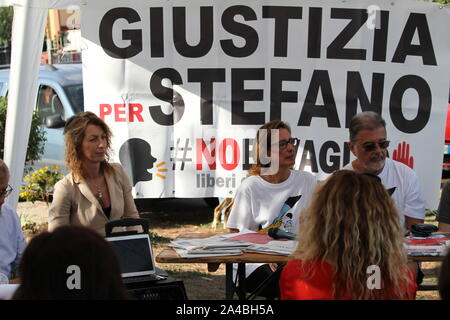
point(276, 233)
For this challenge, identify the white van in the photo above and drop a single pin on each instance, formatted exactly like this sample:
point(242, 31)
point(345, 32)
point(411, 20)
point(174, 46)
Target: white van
point(60, 95)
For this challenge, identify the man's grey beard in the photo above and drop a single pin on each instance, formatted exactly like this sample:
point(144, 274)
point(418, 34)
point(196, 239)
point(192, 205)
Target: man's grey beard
point(372, 167)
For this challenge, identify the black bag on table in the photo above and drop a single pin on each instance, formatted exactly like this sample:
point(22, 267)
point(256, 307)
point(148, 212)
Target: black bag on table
point(423, 229)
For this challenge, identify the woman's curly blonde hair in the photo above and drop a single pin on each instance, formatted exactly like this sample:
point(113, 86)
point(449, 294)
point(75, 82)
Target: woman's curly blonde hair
point(73, 136)
point(352, 223)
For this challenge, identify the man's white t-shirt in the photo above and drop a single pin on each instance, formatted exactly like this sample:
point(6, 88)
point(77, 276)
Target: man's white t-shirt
point(402, 183)
point(259, 205)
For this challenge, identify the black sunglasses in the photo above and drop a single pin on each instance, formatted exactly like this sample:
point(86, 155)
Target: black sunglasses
point(371, 146)
point(6, 192)
point(282, 144)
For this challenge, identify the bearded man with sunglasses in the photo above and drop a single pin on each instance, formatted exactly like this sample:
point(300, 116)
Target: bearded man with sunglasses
point(368, 142)
point(12, 242)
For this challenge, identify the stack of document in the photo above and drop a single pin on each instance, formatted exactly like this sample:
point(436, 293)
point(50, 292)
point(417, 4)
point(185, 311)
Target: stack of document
point(232, 244)
point(277, 247)
point(435, 245)
point(208, 247)
point(263, 243)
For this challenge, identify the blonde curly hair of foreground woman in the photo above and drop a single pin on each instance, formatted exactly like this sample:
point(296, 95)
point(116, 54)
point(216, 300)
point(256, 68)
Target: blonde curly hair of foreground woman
point(352, 223)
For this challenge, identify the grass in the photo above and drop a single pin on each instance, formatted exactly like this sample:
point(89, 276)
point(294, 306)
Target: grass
point(430, 213)
point(179, 272)
point(219, 225)
point(430, 269)
point(27, 223)
point(157, 239)
point(430, 217)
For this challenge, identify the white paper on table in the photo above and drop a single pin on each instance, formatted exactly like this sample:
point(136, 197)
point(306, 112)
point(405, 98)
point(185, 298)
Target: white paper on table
point(274, 247)
point(205, 243)
point(186, 254)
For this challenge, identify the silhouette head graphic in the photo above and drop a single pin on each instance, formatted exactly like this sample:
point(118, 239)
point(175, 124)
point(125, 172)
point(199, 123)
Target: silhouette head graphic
point(136, 158)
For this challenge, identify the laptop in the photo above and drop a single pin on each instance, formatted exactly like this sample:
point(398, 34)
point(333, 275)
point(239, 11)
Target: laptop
point(135, 256)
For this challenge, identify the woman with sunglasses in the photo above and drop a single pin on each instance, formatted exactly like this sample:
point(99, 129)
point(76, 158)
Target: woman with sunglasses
point(272, 196)
point(12, 242)
point(344, 252)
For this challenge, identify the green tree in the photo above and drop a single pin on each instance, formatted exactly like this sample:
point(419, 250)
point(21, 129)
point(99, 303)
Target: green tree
point(6, 18)
point(37, 134)
point(441, 1)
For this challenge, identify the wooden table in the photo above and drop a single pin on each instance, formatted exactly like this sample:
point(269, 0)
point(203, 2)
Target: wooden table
point(168, 255)
point(426, 258)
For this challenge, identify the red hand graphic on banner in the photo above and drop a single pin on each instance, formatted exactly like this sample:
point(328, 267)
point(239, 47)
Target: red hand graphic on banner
point(401, 154)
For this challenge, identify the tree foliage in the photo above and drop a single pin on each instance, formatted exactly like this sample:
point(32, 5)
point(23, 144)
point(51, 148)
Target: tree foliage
point(441, 1)
point(6, 18)
point(36, 139)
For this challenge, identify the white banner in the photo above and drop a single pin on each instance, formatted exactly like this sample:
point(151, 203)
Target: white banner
point(184, 85)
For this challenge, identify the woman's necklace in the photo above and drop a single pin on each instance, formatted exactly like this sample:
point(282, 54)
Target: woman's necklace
point(99, 194)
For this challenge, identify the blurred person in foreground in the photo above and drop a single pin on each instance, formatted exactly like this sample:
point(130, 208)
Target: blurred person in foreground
point(443, 214)
point(444, 278)
point(350, 229)
point(70, 263)
point(95, 191)
point(12, 242)
point(271, 197)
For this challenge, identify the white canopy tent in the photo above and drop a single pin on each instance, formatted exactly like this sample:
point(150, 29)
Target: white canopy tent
point(30, 17)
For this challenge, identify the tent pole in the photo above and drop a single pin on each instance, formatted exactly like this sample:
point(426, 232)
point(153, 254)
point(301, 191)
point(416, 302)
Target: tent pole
point(27, 39)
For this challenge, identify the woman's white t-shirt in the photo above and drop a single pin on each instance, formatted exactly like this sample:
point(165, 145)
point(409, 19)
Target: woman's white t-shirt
point(260, 205)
